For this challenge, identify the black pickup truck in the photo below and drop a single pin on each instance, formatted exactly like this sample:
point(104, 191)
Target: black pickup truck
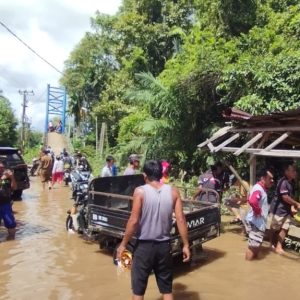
point(13, 161)
point(110, 204)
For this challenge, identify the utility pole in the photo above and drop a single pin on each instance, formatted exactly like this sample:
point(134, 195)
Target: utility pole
point(103, 133)
point(25, 93)
point(97, 146)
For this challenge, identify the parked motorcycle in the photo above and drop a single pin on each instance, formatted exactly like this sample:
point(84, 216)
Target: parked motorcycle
point(76, 219)
point(35, 166)
point(80, 191)
point(67, 177)
point(79, 176)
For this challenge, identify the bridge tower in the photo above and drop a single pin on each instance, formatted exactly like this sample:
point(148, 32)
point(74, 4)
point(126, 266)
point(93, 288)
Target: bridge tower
point(56, 105)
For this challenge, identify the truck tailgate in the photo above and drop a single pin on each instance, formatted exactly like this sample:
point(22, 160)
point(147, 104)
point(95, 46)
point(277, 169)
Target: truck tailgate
point(108, 220)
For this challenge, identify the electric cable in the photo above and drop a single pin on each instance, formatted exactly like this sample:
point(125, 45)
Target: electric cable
point(20, 40)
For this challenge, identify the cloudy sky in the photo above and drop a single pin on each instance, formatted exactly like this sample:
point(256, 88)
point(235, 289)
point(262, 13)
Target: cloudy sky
point(52, 28)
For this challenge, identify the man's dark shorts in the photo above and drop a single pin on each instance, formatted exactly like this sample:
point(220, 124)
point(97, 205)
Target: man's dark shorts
point(148, 256)
point(7, 215)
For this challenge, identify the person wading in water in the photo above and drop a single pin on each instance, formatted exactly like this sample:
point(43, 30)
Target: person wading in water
point(151, 222)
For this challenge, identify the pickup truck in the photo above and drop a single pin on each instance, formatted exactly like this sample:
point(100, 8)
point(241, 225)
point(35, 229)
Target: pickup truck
point(110, 204)
point(13, 161)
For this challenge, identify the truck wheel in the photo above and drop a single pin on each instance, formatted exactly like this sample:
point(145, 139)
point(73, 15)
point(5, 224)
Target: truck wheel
point(129, 254)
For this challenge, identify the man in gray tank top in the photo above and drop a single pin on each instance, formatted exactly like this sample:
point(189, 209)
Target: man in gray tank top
point(151, 223)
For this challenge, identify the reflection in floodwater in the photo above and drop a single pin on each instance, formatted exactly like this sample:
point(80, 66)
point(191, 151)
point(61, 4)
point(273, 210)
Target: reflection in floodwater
point(46, 262)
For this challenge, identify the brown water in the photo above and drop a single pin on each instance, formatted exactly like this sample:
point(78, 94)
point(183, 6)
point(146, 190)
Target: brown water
point(46, 262)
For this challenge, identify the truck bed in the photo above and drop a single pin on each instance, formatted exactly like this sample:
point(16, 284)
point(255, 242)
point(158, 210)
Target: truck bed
point(110, 204)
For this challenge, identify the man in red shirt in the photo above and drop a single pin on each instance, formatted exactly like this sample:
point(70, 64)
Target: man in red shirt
point(256, 218)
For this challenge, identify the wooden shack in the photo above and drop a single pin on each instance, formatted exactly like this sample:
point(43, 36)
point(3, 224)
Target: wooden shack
point(273, 135)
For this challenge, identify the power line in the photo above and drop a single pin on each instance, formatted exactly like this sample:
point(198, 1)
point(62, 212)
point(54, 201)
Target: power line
point(19, 39)
point(25, 93)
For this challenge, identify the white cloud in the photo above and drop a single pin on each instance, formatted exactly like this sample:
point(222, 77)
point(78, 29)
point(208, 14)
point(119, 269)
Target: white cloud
point(52, 28)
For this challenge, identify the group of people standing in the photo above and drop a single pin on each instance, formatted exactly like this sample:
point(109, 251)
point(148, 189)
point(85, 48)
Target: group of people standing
point(58, 128)
point(275, 217)
point(52, 168)
point(155, 202)
point(251, 207)
point(110, 168)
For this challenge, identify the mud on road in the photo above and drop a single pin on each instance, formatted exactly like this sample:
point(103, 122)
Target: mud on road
point(46, 262)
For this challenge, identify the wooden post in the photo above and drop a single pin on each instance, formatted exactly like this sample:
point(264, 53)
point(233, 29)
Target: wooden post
point(96, 135)
point(236, 174)
point(252, 160)
point(252, 170)
point(102, 138)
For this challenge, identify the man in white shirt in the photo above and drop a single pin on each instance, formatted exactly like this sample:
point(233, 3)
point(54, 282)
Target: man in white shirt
point(256, 218)
point(107, 169)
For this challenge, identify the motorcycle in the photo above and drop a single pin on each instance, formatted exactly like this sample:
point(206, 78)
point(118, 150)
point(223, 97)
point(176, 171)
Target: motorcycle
point(67, 177)
point(35, 166)
point(76, 217)
point(80, 191)
point(78, 176)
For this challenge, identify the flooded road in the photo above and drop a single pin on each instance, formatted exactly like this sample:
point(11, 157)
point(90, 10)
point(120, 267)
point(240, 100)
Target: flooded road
point(46, 262)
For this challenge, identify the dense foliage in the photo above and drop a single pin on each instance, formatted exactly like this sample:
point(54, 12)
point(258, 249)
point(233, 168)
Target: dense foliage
point(8, 124)
point(160, 72)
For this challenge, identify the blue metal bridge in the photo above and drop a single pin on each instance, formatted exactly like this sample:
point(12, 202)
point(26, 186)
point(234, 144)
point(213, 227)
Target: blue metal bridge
point(56, 105)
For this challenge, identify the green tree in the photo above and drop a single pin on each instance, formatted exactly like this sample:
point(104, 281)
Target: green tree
point(86, 73)
point(265, 76)
point(8, 124)
point(141, 38)
point(169, 68)
point(145, 129)
point(237, 16)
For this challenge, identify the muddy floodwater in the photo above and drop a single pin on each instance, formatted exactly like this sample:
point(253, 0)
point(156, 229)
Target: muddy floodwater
point(46, 262)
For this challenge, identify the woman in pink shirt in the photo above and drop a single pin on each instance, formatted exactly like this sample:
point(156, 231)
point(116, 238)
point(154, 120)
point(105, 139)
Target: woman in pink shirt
point(57, 171)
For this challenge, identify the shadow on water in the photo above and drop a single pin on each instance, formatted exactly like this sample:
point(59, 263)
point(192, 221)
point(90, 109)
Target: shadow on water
point(234, 229)
point(265, 249)
point(24, 230)
point(264, 252)
point(180, 292)
point(290, 255)
point(106, 252)
point(199, 259)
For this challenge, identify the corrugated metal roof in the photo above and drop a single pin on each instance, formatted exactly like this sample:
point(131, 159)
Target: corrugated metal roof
point(275, 134)
point(243, 119)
